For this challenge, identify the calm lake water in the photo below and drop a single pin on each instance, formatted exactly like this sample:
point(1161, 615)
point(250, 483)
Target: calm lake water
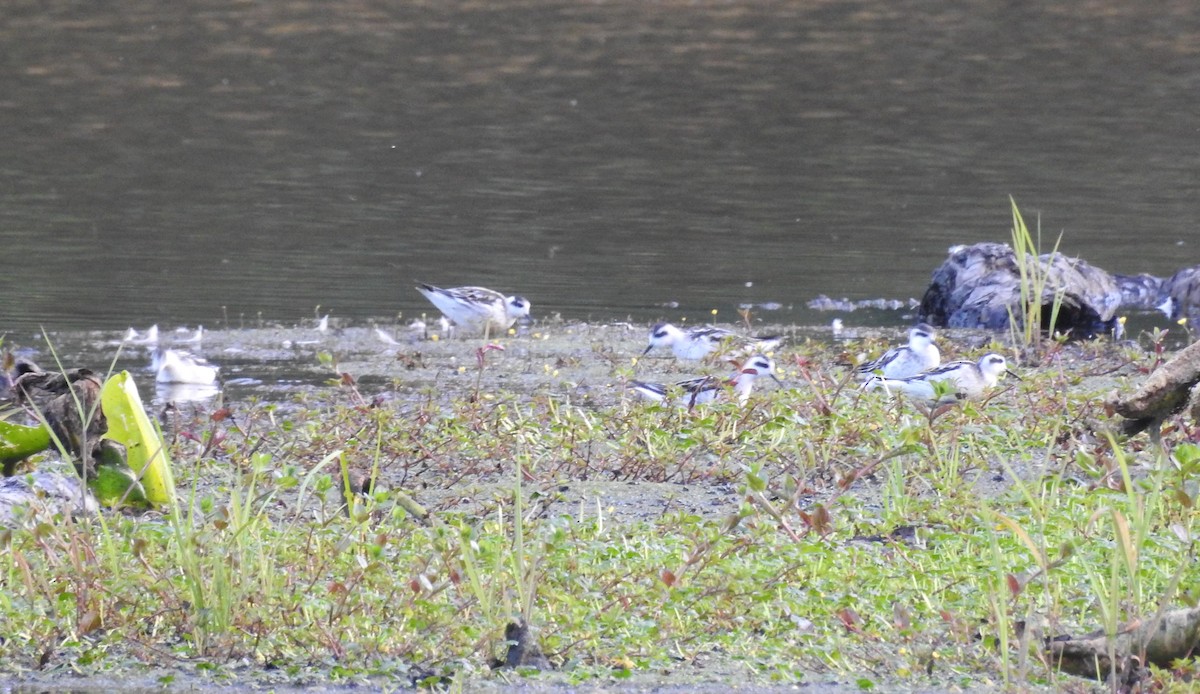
point(218, 161)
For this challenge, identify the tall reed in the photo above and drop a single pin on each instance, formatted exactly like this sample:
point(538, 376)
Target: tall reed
point(1025, 323)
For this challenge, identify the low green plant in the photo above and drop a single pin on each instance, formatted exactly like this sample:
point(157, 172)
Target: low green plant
point(501, 573)
point(811, 536)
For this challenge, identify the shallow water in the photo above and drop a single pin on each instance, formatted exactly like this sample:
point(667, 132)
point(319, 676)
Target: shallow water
point(281, 366)
point(222, 163)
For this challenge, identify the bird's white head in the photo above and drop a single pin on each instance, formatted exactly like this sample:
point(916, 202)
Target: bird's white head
point(759, 365)
point(921, 336)
point(516, 307)
point(663, 335)
point(992, 366)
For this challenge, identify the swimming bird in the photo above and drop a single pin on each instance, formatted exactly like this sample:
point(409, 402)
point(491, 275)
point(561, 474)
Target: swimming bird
point(966, 380)
point(920, 354)
point(702, 390)
point(477, 308)
point(702, 340)
point(150, 337)
point(196, 337)
point(173, 366)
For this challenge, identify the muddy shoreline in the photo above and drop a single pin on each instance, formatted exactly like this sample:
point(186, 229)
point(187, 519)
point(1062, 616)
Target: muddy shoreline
point(305, 370)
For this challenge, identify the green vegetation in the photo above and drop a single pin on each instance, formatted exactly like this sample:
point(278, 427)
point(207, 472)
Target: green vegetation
point(129, 425)
point(820, 533)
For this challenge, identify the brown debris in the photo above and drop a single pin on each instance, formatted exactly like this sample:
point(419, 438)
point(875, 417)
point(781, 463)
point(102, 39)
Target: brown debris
point(523, 650)
point(1172, 636)
point(70, 404)
point(360, 486)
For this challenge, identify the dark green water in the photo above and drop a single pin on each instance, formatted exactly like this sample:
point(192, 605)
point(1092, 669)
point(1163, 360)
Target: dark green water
point(215, 162)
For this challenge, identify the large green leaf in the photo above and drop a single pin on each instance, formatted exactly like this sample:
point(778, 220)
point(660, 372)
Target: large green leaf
point(116, 485)
point(129, 425)
point(18, 442)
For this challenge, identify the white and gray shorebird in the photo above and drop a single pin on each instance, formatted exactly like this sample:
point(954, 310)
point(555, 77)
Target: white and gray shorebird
point(702, 340)
point(476, 308)
point(919, 355)
point(174, 366)
point(964, 380)
point(697, 391)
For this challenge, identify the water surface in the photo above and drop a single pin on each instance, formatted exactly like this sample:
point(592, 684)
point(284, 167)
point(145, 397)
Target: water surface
point(223, 162)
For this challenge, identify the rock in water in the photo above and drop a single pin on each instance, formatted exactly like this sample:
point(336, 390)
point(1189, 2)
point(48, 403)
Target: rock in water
point(1139, 292)
point(1165, 392)
point(1181, 294)
point(979, 286)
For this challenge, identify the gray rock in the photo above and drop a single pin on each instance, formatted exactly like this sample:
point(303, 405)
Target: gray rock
point(978, 286)
point(1182, 294)
point(42, 495)
point(1142, 292)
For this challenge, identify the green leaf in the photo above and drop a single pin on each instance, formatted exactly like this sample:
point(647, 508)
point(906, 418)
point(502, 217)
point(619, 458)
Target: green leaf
point(1187, 455)
point(117, 486)
point(129, 425)
point(18, 442)
point(945, 390)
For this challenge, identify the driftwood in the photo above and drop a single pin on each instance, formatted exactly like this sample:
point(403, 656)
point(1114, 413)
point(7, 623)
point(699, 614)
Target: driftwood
point(1165, 392)
point(1160, 641)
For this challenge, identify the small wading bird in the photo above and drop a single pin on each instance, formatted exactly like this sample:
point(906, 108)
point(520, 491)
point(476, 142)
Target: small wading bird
point(919, 355)
point(703, 340)
point(476, 308)
point(173, 366)
point(698, 391)
point(963, 380)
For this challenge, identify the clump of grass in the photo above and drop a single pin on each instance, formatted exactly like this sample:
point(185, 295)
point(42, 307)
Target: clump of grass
point(1026, 325)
